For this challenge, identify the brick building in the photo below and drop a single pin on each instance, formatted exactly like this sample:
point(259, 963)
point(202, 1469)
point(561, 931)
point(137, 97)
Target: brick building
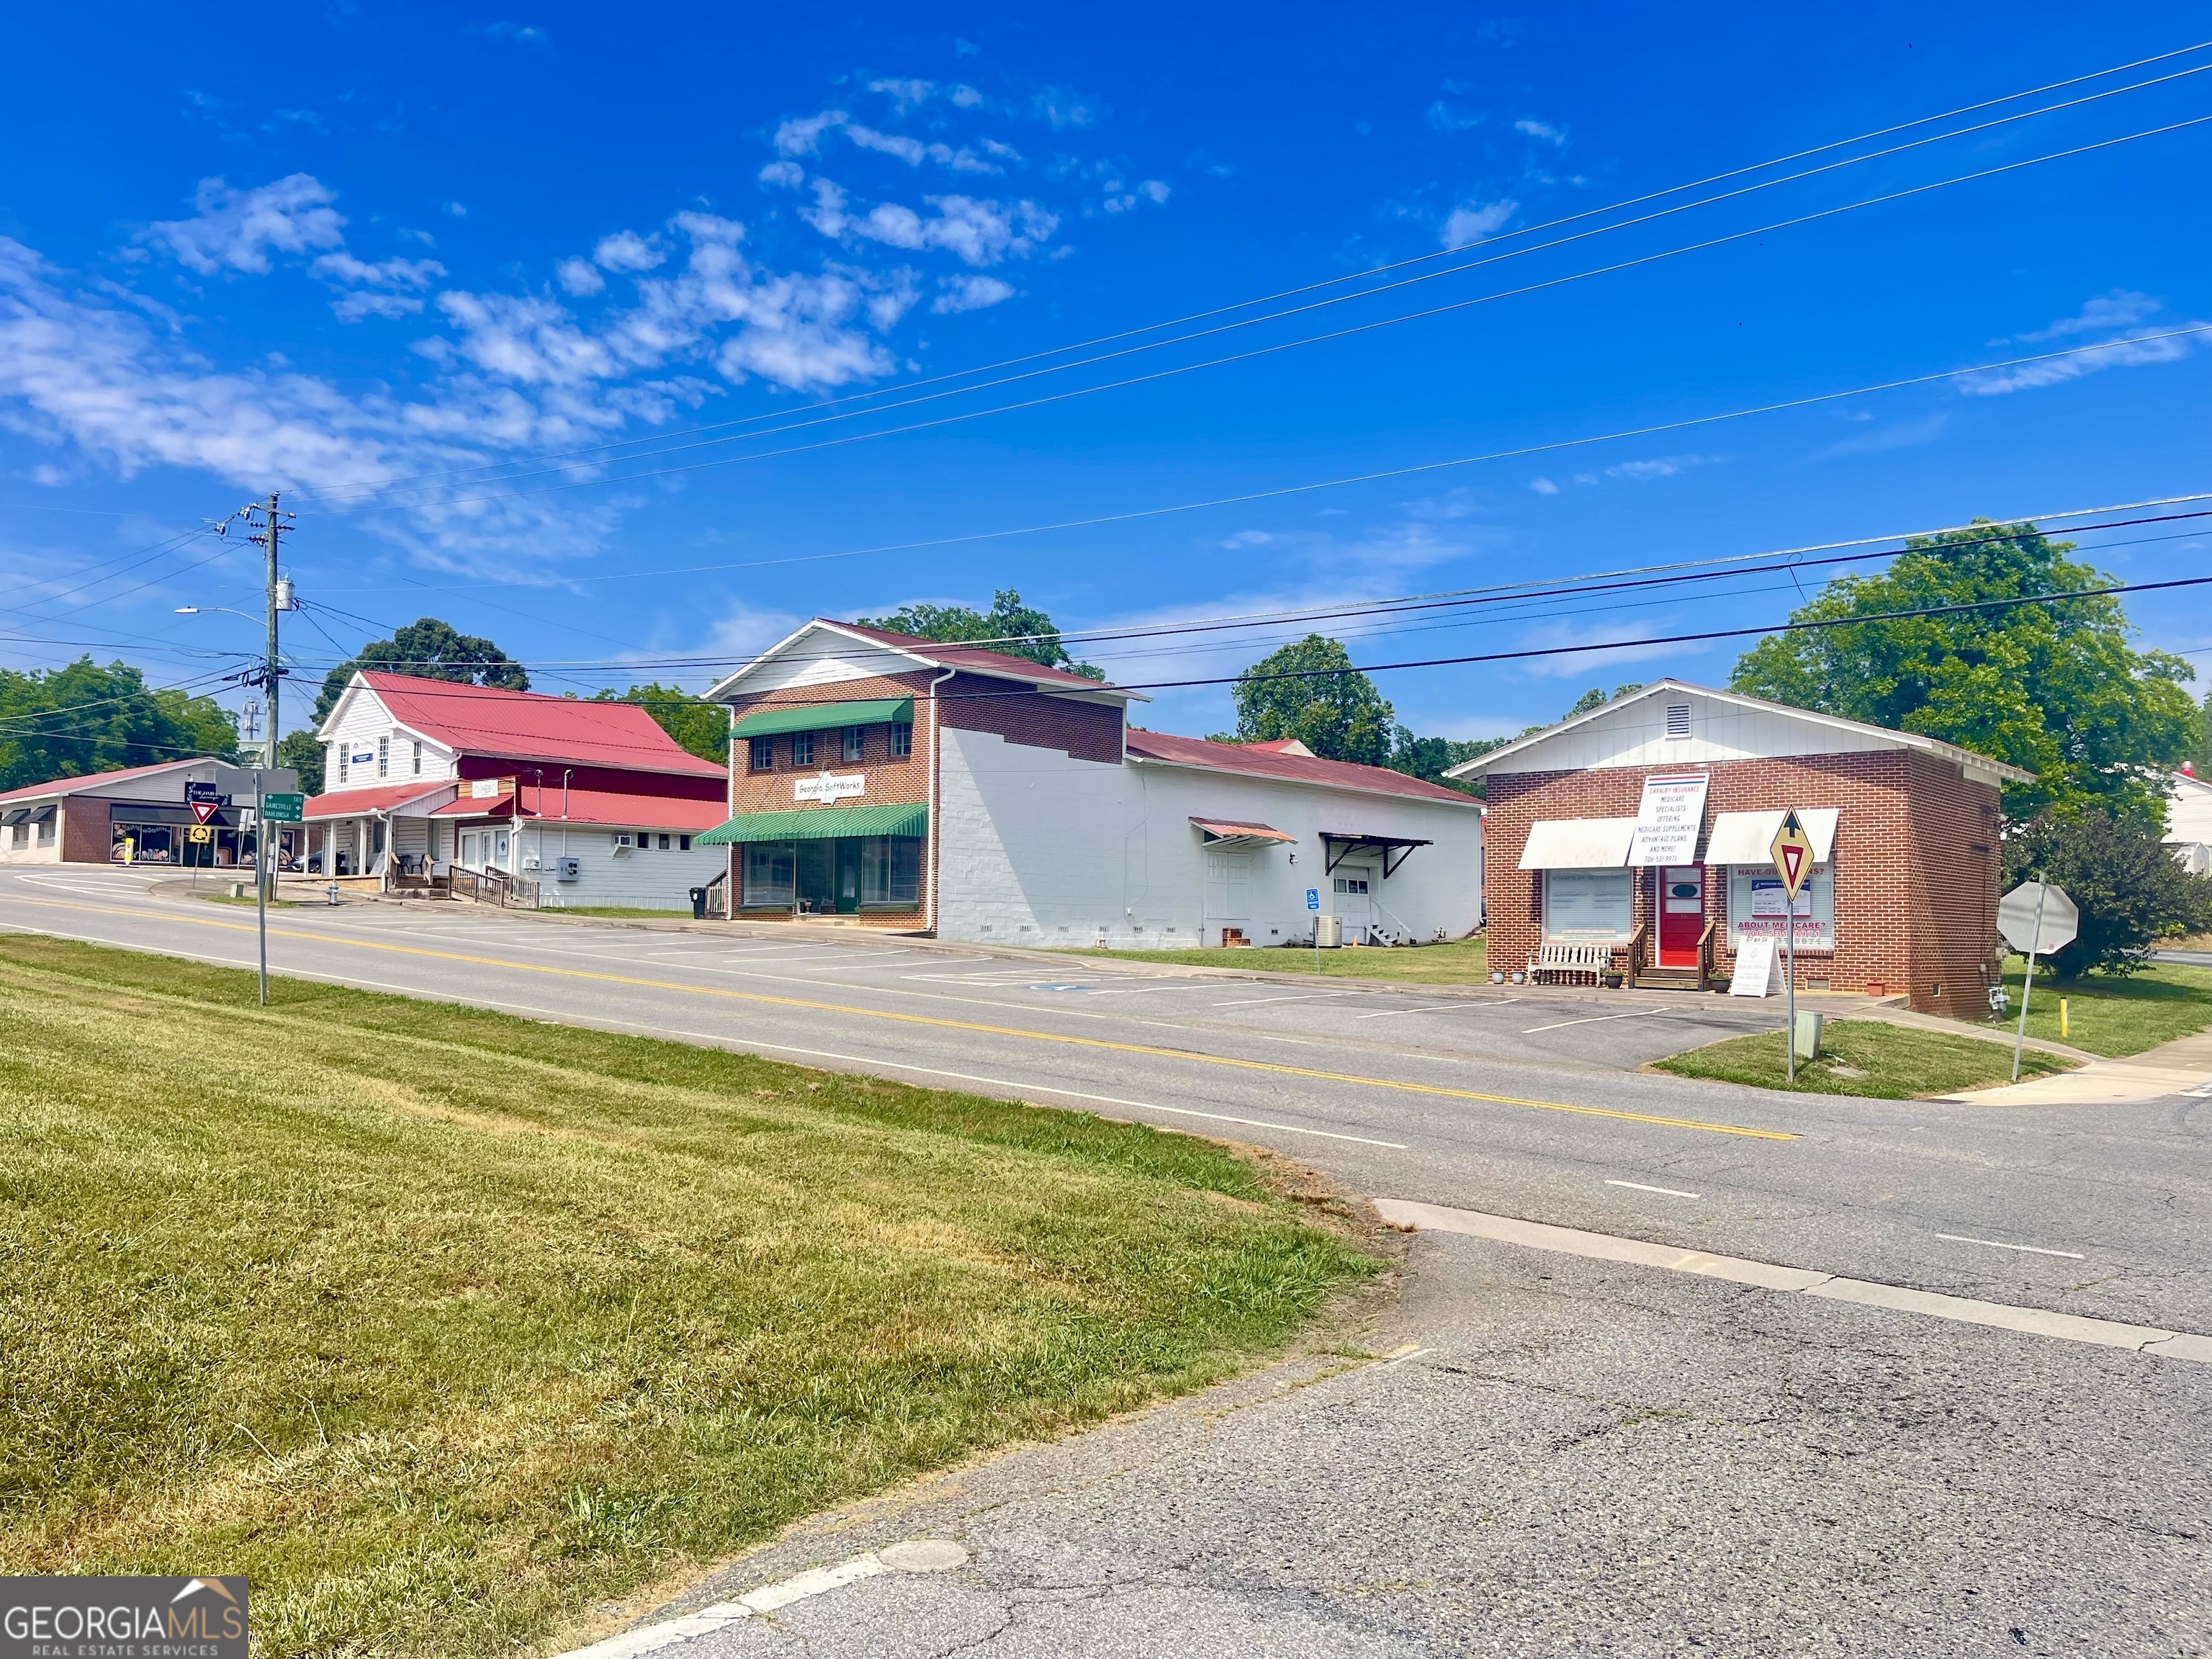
point(912, 785)
point(1904, 890)
point(138, 815)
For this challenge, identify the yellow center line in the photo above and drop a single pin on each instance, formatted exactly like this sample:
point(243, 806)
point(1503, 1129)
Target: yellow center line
point(1274, 1067)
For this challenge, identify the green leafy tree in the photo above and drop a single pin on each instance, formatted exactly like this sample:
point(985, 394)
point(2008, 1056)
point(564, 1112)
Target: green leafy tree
point(2130, 892)
point(2055, 689)
point(430, 650)
point(1593, 698)
point(2200, 744)
point(1330, 706)
point(1015, 629)
point(300, 751)
point(65, 722)
point(700, 726)
point(1429, 758)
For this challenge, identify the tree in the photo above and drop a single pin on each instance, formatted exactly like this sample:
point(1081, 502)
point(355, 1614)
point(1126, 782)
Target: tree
point(428, 650)
point(66, 722)
point(1012, 627)
point(2130, 889)
point(700, 726)
point(1329, 706)
point(2055, 689)
point(1429, 758)
point(1593, 698)
point(300, 751)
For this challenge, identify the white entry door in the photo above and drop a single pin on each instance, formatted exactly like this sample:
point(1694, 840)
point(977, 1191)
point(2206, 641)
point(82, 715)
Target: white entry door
point(1353, 897)
point(1229, 891)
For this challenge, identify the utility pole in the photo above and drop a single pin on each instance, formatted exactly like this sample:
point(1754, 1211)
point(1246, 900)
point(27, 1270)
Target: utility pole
point(279, 596)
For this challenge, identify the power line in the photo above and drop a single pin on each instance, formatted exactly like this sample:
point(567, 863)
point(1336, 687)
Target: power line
point(1490, 243)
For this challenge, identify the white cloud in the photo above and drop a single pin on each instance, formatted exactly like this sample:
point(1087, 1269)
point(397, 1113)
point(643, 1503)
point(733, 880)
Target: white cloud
point(235, 231)
point(904, 94)
point(2120, 310)
point(578, 277)
point(913, 152)
point(1153, 189)
point(1543, 486)
point(971, 293)
point(1443, 117)
point(977, 232)
point(1578, 663)
point(1543, 130)
point(965, 97)
point(803, 135)
point(1662, 466)
point(1471, 223)
point(626, 251)
point(789, 175)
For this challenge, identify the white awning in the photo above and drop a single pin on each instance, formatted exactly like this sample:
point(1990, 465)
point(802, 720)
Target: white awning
point(1748, 838)
point(1577, 844)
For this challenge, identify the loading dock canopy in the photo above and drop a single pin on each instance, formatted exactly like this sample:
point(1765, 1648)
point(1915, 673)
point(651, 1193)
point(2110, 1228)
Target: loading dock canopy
point(1578, 844)
point(825, 717)
point(1230, 833)
point(820, 823)
point(1748, 838)
point(1339, 845)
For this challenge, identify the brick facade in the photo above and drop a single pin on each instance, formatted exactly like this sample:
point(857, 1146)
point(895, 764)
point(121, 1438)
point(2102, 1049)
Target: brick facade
point(85, 837)
point(1915, 865)
point(974, 702)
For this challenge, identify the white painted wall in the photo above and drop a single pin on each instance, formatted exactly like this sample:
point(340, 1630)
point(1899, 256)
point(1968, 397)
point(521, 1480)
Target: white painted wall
point(361, 719)
point(644, 880)
point(1038, 849)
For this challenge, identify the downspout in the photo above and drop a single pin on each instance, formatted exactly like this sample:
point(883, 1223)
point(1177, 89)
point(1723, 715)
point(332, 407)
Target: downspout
point(731, 891)
point(936, 836)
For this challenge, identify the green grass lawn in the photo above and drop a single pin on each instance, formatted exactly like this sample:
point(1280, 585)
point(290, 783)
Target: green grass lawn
point(1461, 962)
point(1863, 1057)
point(443, 1325)
point(2114, 1017)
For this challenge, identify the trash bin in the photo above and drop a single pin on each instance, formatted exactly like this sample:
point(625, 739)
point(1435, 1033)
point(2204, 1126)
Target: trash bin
point(698, 904)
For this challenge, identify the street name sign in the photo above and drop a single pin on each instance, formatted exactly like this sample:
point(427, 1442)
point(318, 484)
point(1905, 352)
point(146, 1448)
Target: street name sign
point(2017, 918)
point(284, 808)
point(1792, 852)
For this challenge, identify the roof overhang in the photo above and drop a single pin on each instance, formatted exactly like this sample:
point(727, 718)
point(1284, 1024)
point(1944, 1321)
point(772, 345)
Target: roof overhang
point(1338, 845)
point(1748, 838)
point(728, 689)
point(1135, 759)
point(1232, 834)
point(1577, 844)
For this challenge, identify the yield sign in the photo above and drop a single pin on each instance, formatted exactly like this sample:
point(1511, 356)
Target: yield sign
point(1792, 851)
point(204, 810)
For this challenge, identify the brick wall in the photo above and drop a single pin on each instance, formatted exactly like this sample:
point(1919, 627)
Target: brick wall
point(1081, 731)
point(84, 831)
point(667, 786)
point(1914, 863)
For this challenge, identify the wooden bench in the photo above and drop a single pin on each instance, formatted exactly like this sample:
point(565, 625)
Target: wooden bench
point(1596, 960)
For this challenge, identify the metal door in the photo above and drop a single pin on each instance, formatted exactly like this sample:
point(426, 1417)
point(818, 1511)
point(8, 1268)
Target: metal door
point(1354, 900)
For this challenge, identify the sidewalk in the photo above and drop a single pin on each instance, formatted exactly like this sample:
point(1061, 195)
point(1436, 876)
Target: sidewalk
point(2179, 1068)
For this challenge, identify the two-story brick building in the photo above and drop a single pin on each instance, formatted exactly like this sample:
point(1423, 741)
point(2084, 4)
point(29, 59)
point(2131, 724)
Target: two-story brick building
point(1904, 890)
point(914, 785)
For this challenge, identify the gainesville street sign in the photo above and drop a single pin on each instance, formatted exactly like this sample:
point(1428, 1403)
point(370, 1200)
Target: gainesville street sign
point(283, 808)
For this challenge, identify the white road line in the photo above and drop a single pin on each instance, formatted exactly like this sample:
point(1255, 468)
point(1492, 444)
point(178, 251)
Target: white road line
point(1304, 996)
point(1599, 1019)
point(1425, 1008)
point(1802, 1281)
point(1672, 1192)
point(1999, 1245)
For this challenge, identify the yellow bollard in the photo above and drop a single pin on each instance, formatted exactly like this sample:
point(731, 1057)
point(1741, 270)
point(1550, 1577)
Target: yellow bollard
point(2062, 1017)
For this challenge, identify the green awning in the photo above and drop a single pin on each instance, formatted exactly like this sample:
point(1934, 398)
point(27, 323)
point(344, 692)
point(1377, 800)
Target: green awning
point(825, 717)
point(821, 823)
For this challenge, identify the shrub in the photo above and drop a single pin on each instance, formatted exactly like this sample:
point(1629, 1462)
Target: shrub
point(2129, 888)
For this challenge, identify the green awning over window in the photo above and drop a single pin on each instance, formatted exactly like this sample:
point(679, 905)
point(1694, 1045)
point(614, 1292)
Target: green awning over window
point(825, 717)
point(821, 823)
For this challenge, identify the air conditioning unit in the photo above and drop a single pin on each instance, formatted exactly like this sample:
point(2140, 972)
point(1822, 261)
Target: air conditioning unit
point(1328, 932)
point(569, 869)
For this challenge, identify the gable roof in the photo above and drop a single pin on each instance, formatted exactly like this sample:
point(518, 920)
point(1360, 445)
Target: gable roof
point(93, 780)
point(529, 725)
point(1254, 760)
point(1883, 736)
point(929, 654)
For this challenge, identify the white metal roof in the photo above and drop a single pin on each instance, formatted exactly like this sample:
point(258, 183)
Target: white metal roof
point(1748, 838)
point(1577, 844)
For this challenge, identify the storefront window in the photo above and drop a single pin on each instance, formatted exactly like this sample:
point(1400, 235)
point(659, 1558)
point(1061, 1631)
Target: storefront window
point(1590, 907)
point(771, 874)
point(890, 872)
point(1756, 904)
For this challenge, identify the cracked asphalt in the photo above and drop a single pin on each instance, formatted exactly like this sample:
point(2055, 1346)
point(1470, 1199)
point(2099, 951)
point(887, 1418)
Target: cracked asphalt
point(1573, 1456)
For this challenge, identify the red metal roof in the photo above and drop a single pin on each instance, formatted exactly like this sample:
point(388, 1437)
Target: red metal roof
point(594, 806)
point(343, 803)
point(481, 720)
point(973, 657)
point(1230, 828)
point(92, 779)
point(1254, 762)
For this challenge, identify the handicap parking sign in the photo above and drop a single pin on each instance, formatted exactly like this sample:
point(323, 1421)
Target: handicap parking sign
point(1313, 898)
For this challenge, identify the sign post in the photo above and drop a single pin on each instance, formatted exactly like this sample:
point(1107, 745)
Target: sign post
point(1313, 909)
point(1792, 852)
point(2033, 917)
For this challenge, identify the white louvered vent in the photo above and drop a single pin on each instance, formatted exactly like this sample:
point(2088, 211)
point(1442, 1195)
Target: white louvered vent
point(1678, 719)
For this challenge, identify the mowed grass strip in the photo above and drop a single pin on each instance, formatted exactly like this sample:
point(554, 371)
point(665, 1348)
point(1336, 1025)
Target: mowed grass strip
point(440, 1324)
point(1863, 1057)
point(2110, 1015)
point(1457, 961)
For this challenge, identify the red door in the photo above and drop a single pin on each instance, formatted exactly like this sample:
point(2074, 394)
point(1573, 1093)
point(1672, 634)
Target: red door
point(1681, 913)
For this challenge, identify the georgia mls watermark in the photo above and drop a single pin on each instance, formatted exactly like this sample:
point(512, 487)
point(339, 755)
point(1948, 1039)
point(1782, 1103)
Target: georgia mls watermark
point(123, 1618)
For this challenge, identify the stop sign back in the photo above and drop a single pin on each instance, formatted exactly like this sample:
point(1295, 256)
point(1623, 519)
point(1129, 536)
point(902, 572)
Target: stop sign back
point(2016, 918)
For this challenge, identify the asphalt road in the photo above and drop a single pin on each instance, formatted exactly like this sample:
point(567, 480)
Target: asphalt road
point(1584, 1457)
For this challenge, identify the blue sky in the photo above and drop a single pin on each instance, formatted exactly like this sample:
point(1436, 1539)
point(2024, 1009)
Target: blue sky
point(326, 249)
